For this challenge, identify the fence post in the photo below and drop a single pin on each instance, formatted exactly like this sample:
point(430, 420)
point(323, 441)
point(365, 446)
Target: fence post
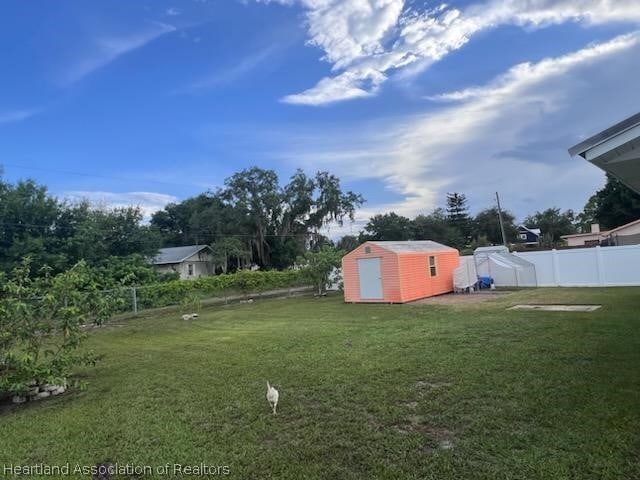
point(556, 267)
point(135, 300)
point(599, 266)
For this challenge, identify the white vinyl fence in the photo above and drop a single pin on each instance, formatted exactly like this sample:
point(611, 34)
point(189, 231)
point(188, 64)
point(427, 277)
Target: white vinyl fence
point(587, 267)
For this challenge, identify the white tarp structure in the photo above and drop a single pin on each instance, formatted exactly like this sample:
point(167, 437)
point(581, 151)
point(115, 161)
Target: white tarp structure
point(465, 276)
point(506, 269)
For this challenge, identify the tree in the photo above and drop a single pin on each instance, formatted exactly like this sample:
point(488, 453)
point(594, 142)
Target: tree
point(28, 217)
point(198, 220)
point(59, 234)
point(283, 220)
point(388, 226)
point(256, 193)
point(319, 265)
point(612, 206)
point(552, 223)
point(40, 322)
point(227, 248)
point(487, 224)
point(102, 233)
point(331, 203)
point(348, 243)
point(458, 213)
point(436, 226)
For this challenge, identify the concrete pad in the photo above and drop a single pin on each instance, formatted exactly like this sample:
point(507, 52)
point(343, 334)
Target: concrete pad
point(557, 308)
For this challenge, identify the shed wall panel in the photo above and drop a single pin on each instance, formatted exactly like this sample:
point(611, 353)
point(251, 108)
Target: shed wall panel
point(388, 268)
point(416, 280)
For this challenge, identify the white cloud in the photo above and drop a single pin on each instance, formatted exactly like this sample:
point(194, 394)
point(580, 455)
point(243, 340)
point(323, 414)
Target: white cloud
point(346, 86)
point(10, 116)
point(229, 74)
point(510, 135)
point(172, 12)
point(369, 39)
point(149, 202)
point(108, 49)
point(525, 74)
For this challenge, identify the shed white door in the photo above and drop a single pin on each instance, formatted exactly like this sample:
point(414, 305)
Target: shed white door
point(370, 278)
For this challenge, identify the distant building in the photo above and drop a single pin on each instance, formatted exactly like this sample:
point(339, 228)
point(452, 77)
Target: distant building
point(528, 236)
point(189, 262)
point(592, 239)
point(628, 234)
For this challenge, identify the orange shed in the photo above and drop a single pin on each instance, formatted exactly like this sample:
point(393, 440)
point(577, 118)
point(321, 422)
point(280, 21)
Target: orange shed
point(398, 272)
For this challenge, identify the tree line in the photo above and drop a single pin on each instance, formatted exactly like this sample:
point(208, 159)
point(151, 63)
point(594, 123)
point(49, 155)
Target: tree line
point(254, 220)
point(251, 220)
point(613, 205)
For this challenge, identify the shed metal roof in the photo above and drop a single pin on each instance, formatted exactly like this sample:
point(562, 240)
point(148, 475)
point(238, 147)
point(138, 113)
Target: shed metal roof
point(413, 246)
point(176, 254)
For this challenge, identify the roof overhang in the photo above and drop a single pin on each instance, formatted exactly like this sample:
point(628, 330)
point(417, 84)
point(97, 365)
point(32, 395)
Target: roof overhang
point(615, 150)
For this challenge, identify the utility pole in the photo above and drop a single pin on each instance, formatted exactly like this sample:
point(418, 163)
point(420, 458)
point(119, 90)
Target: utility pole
point(504, 238)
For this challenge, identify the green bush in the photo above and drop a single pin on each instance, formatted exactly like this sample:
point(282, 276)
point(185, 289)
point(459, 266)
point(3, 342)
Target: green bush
point(41, 325)
point(245, 282)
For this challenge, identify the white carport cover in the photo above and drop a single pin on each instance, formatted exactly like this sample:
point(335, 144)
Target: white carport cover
point(465, 276)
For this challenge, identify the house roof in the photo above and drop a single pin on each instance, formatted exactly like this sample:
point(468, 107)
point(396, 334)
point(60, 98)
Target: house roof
point(615, 150)
point(535, 231)
point(602, 233)
point(622, 227)
point(598, 138)
point(413, 246)
point(177, 254)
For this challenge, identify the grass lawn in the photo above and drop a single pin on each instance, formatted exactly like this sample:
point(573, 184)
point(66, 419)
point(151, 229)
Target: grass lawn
point(366, 392)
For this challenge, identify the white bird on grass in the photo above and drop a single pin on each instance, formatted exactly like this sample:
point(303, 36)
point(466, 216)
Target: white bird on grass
point(272, 397)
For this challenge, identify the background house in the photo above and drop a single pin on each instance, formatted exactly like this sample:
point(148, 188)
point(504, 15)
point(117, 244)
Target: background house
point(528, 236)
point(592, 239)
point(398, 272)
point(189, 262)
point(628, 234)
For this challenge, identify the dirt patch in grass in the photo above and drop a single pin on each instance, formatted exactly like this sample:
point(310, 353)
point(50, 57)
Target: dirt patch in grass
point(437, 437)
point(430, 385)
point(462, 298)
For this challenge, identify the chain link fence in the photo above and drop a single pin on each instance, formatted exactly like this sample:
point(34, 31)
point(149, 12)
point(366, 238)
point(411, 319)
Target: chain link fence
point(134, 300)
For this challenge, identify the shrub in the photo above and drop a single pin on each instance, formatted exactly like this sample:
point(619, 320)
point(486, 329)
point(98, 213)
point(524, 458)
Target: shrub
point(41, 325)
point(245, 282)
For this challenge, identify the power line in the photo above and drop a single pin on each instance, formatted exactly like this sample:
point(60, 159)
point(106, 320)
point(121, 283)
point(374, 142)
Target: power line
point(53, 227)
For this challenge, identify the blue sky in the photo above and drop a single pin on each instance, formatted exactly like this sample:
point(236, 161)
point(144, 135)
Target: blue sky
point(146, 102)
